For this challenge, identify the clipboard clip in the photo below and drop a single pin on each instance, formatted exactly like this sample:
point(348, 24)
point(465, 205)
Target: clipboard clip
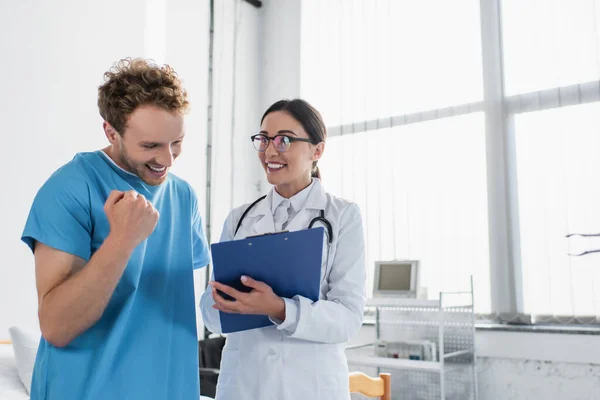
point(266, 234)
point(237, 284)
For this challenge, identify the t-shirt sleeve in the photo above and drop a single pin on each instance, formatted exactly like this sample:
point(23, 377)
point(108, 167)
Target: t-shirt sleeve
point(200, 244)
point(60, 216)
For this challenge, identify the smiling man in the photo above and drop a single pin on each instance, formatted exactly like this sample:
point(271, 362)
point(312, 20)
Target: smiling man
point(115, 238)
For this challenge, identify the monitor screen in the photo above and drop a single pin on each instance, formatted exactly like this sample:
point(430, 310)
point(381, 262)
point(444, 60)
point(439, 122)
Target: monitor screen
point(395, 277)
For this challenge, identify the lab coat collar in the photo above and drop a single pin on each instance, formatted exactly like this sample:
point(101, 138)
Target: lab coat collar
point(297, 201)
point(316, 200)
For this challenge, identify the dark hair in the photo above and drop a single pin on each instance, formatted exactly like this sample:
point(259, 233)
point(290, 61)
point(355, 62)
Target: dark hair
point(310, 119)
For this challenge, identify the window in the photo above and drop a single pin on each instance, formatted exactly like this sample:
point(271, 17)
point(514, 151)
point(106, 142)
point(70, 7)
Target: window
point(559, 193)
point(549, 44)
point(421, 190)
point(469, 181)
point(400, 88)
point(552, 67)
point(363, 60)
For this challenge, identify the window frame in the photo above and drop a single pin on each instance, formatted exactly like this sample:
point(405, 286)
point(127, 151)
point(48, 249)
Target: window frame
point(506, 284)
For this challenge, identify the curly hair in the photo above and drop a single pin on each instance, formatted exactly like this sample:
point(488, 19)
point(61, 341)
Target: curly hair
point(135, 82)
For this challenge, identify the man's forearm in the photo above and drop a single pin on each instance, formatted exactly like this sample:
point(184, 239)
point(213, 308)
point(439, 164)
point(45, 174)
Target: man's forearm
point(72, 307)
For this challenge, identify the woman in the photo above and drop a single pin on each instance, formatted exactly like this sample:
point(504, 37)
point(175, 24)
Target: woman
point(301, 356)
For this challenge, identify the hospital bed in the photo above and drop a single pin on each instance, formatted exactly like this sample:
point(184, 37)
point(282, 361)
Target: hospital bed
point(11, 387)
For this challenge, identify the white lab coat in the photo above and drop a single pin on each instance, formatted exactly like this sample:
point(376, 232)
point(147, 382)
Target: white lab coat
point(303, 357)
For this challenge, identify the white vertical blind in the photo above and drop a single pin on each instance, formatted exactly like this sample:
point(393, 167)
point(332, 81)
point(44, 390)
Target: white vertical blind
point(421, 189)
point(550, 43)
point(552, 67)
point(559, 167)
point(400, 87)
point(371, 60)
point(236, 88)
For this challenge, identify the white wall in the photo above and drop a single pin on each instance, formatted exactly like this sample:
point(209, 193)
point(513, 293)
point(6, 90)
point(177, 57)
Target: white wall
point(54, 55)
point(509, 379)
point(279, 60)
point(267, 69)
point(236, 88)
point(53, 59)
point(524, 365)
point(516, 365)
point(236, 112)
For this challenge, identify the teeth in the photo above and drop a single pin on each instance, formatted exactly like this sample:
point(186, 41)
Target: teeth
point(275, 166)
point(155, 169)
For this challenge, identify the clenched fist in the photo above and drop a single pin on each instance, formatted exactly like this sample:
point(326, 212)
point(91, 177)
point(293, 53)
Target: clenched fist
point(131, 217)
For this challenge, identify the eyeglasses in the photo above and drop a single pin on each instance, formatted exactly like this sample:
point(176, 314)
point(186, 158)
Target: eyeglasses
point(281, 143)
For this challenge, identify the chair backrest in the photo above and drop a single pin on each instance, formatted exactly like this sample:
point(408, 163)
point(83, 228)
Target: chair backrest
point(209, 352)
point(372, 387)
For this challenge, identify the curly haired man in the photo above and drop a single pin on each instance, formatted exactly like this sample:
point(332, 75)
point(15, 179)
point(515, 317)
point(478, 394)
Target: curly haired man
point(115, 238)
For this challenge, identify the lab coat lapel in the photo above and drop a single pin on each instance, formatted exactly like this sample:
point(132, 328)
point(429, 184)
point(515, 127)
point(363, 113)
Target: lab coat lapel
point(262, 216)
point(316, 200)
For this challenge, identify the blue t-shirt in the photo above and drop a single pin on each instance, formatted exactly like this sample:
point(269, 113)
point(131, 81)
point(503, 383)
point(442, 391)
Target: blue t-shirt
point(145, 344)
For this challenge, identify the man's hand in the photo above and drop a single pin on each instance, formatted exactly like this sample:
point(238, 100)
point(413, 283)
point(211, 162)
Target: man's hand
point(73, 294)
point(260, 300)
point(132, 218)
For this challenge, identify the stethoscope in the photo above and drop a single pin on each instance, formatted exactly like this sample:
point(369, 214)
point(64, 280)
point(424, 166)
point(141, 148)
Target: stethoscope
point(321, 218)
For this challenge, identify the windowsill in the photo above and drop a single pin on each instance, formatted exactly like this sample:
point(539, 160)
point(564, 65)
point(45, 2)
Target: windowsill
point(558, 329)
point(561, 343)
point(561, 329)
point(545, 343)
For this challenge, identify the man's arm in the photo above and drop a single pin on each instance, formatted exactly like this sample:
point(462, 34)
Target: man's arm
point(73, 295)
point(72, 298)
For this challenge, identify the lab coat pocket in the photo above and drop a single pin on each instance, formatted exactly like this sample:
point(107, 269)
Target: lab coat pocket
point(333, 377)
point(333, 385)
point(229, 365)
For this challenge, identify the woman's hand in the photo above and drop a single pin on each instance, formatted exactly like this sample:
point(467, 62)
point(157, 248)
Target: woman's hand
point(260, 300)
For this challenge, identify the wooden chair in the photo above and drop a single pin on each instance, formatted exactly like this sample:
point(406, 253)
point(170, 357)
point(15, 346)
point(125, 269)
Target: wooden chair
point(373, 387)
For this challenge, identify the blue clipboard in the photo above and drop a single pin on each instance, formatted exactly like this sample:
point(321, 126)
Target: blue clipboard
point(289, 262)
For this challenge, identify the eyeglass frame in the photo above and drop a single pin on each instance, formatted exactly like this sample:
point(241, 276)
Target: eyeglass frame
point(290, 138)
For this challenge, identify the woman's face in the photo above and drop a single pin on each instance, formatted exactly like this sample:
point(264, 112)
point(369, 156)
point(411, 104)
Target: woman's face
point(289, 171)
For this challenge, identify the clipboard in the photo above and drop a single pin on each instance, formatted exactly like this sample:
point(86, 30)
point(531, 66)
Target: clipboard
point(289, 262)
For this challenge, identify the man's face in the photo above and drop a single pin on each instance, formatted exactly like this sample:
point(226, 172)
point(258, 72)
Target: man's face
point(151, 142)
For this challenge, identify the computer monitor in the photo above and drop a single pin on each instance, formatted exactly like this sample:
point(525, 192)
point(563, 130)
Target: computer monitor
point(396, 279)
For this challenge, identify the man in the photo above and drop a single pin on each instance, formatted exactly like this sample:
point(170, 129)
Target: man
point(116, 238)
